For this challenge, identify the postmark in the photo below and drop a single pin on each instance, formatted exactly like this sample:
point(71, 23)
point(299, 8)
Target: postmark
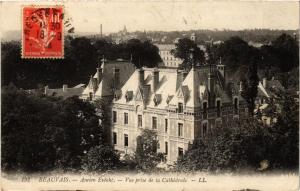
point(42, 34)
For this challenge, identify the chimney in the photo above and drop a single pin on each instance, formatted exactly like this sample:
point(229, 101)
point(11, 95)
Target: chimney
point(265, 82)
point(65, 87)
point(101, 30)
point(116, 77)
point(241, 86)
point(46, 90)
point(210, 82)
point(221, 69)
point(141, 77)
point(155, 79)
point(99, 75)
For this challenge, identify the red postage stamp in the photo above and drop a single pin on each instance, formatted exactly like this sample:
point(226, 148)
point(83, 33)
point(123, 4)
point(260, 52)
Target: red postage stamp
point(42, 34)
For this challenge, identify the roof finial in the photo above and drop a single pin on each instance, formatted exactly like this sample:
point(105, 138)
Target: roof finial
point(103, 59)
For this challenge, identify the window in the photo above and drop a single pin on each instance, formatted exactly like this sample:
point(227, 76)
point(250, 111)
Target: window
point(140, 121)
point(180, 128)
point(115, 138)
point(125, 140)
point(166, 148)
point(166, 125)
point(180, 107)
point(125, 118)
point(204, 129)
point(218, 108)
point(154, 123)
point(114, 116)
point(180, 152)
point(218, 124)
point(205, 110)
point(235, 105)
point(90, 96)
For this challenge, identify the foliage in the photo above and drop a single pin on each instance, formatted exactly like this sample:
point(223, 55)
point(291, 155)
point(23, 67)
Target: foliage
point(82, 56)
point(185, 49)
point(146, 155)
point(228, 149)
point(42, 133)
point(237, 54)
point(286, 134)
point(245, 146)
point(250, 84)
point(24, 120)
point(104, 114)
point(100, 158)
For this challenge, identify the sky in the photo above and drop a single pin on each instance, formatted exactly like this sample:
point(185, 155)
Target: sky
point(166, 15)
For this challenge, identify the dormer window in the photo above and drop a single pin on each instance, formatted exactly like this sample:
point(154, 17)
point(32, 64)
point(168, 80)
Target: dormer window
point(117, 94)
point(156, 99)
point(128, 96)
point(180, 107)
point(168, 99)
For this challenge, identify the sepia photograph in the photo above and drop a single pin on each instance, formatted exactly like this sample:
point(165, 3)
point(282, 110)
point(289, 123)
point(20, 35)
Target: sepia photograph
point(151, 95)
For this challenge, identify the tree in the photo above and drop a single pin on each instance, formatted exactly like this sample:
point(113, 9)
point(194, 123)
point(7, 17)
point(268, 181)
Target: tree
point(100, 158)
point(104, 114)
point(287, 51)
point(285, 148)
point(185, 49)
point(250, 83)
point(234, 52)
point(73, 131)
point(143, 53)
point(24, 120)
point(234, 149)
point(146, 155)
point(42, 133)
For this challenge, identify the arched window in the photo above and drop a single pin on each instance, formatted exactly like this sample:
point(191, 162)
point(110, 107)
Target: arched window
point(204, 129)
point(236, 108)
point(204, 110)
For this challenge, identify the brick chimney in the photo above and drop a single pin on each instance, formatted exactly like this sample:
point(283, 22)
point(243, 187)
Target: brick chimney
point(155, 79)
point(141, 77)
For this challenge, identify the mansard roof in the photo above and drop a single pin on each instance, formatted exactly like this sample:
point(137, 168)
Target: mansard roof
point(171, 89)
point(105, 87)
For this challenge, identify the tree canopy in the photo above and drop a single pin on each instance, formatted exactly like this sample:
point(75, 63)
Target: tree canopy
point(189, 52)
point(146, 155)
point(82, 56)
point(249, 146)
point(42, 133)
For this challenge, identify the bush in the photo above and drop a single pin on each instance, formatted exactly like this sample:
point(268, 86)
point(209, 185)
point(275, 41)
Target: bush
point(100, 158)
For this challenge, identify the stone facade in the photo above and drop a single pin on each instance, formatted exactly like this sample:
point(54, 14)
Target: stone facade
point(180, 106)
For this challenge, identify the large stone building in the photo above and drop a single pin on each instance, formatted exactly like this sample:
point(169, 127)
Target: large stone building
point(180, 106)
point(168, 59)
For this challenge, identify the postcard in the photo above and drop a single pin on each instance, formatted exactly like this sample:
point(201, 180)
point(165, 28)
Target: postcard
point(149, 95)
